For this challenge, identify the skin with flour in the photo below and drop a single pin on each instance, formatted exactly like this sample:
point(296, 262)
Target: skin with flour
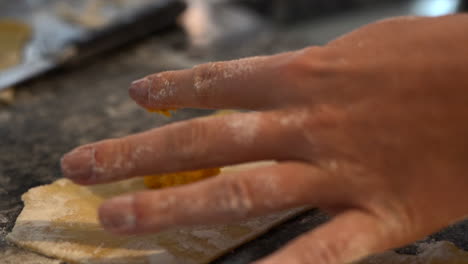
point(370, 127)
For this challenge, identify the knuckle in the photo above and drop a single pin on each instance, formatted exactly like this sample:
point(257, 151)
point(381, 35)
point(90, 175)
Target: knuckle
point(310, 62)
point(326, 115)
point(189, 145)
point(395, 215)
point(146, 218)
point(205, 76)
point(112, 158)
point(236, 196)
point(326, 122)
point(141, 208)
point(319, 69)
point(329, 253)
point(322, 129)
point(155, 217)
point(99, 158)
point(323, 251)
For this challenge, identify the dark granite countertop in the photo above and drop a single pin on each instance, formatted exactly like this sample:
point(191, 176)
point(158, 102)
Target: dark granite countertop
point(89, 102)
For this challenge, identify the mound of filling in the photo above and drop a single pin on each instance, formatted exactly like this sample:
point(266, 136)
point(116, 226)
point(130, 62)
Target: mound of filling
point(165, 112)
point(179, 178)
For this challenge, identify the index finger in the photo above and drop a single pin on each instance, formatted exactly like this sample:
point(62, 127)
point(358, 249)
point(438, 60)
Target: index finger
point(250, 83)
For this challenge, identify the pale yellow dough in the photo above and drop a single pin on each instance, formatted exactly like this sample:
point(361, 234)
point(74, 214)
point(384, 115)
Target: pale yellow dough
point(60, 220)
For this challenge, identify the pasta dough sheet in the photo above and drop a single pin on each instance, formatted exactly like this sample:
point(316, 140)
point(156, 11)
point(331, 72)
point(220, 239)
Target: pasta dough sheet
point(60, 220)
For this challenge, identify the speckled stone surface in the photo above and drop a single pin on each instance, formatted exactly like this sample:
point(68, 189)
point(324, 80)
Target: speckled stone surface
point(89, 102)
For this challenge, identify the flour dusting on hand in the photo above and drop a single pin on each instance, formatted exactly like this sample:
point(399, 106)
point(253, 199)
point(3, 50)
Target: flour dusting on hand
point(162, 88)
point(244, 128)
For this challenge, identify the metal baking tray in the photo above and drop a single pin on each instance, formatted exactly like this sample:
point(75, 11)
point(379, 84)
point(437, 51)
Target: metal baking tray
point(67, 30)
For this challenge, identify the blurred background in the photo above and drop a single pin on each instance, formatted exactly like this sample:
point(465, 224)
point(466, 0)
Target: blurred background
point(65, 67)
point(43, 34)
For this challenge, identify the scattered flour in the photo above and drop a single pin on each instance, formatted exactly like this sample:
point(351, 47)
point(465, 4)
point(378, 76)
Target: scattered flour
point(210, 76)
point(161, 88)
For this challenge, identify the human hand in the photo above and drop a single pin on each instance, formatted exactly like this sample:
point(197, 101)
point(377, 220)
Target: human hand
point(371, 128)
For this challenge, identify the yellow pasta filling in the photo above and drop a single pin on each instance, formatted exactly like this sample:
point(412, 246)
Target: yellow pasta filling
point(165, 112)
point(185, 177)
point(179, 178)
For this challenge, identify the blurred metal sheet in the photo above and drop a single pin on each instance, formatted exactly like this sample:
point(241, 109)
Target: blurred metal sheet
point(63, 31)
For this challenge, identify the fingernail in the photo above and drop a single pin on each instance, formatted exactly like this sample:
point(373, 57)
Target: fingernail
point(138, 91)
point(117, 215)
point(77, 164)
